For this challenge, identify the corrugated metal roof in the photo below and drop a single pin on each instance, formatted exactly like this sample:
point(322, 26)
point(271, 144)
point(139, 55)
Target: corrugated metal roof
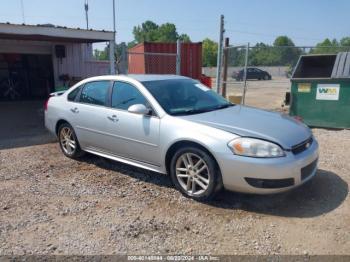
point(49, 32)
point(341, 67)
point(55, 26)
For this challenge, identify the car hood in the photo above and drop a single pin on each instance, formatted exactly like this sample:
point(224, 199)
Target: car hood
point(257, 123)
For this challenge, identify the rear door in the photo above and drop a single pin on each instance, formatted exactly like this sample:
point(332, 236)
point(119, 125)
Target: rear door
point(132, 135)
point(90, 112)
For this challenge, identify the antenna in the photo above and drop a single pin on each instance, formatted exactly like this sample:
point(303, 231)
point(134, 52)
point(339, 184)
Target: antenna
point(86, 5)
point(22, 8)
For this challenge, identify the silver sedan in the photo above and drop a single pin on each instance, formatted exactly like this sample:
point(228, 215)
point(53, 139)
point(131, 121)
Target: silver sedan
point(176, 125)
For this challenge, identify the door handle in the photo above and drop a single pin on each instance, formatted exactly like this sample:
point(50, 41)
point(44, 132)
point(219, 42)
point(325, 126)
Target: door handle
point(113, 118)
point(74, 110)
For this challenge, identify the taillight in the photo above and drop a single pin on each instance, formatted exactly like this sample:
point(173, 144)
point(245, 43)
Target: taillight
point(46, 104)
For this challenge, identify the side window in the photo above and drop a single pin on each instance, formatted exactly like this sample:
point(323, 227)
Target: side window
point(125, 95)
point(95, 93)
point(73, 94)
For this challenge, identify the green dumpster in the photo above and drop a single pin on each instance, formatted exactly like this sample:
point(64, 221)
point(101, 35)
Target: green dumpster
point(320, 91)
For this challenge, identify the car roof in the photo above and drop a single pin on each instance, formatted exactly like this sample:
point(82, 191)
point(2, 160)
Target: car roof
point(144, 78)
point(139, 78)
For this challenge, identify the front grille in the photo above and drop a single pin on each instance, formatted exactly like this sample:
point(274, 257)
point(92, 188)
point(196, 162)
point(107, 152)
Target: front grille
point(306, 171)
point(299, 148)
point(269, 183)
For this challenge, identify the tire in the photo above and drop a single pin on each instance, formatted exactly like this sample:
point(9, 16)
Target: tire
point(66, 139)
point(209, 178)
point(266, 77)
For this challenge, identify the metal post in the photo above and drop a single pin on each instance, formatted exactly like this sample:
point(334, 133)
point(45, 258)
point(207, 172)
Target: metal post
point(111, 57)
point(219, 59)
point(245, 74)
point(226, 53)
point(178, 57)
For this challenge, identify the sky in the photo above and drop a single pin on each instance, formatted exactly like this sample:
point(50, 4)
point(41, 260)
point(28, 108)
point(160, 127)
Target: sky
point(307, 22)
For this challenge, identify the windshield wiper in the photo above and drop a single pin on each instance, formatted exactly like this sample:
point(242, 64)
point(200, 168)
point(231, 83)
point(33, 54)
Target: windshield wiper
point(192, 111)
point(201, 110)
point(223, 106)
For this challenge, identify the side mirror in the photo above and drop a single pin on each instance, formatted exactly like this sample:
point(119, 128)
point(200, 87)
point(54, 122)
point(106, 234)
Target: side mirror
point(139, 109)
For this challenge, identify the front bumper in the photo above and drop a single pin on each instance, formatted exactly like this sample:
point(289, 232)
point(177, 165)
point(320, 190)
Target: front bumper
point(269, 175)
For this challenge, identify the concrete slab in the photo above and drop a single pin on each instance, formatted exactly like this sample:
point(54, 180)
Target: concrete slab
point(22, 124)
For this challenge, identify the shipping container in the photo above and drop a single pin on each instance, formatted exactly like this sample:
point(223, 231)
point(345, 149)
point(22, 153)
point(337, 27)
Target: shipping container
point(160, 58)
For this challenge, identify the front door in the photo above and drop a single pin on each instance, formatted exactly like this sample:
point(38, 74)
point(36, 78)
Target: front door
point(132, 135)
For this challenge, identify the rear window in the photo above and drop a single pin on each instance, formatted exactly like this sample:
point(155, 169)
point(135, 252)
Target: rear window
point(73, 94)
point(95, 93)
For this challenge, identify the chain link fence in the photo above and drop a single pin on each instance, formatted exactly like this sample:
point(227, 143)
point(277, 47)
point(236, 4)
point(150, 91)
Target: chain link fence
point(152, 63)
point(260, 75)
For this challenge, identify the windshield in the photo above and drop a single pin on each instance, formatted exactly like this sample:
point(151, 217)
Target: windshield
point(185, 96)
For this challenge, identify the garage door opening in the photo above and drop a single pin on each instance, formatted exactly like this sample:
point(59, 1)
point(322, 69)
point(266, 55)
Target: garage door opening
point(26, 80)
point(25, 77)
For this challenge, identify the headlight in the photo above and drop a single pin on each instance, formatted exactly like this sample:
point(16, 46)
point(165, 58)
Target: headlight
point(251, 147)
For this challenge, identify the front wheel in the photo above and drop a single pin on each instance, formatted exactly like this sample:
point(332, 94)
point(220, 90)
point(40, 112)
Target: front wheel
point(68, 141)
point(195, 173)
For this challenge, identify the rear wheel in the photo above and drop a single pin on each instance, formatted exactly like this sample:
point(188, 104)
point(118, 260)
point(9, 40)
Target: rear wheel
point(195, 174)
point(68, 141)
point(266, 77)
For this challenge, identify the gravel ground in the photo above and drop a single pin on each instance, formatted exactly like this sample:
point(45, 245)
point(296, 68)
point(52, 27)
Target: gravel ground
point(53, 205)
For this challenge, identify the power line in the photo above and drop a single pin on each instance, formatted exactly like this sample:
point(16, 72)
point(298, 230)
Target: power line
point(269, 35)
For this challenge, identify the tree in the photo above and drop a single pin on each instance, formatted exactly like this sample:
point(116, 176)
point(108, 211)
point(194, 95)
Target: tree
point(287, 53)
point(209, 52)
point(101, 54)
point(151, 32)
point(184, 38)
point(326, 47)
point(283, 41)
point(147, 32)
point(345, 41)
point(282, 53)
point(167, 33)
point(263, 55)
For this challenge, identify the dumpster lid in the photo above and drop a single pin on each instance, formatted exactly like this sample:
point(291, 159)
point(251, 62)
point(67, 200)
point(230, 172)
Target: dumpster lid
point(323, 66)
point(341, 67)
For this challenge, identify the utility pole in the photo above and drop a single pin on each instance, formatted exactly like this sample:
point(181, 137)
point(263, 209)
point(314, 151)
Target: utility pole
point(86, 5)
point(114, 18)
point(245, 74)
point(226, 53)
point(219, 59)
point(112, 57)
point(22, 7)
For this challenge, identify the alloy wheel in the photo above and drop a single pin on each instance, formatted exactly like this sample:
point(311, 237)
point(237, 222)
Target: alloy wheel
point(67, 140)
point(192, 173)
